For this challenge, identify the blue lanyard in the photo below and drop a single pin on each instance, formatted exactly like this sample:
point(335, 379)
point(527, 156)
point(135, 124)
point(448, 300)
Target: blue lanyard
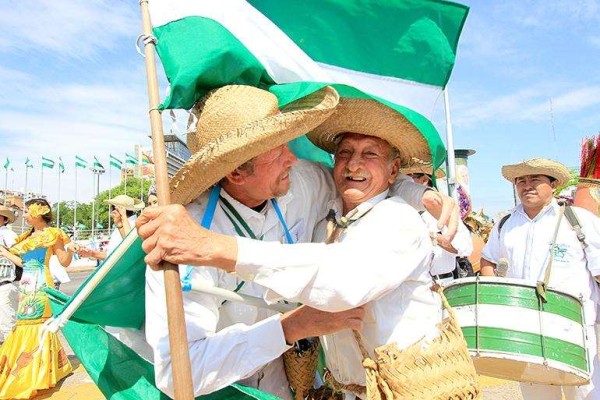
point(207, 218)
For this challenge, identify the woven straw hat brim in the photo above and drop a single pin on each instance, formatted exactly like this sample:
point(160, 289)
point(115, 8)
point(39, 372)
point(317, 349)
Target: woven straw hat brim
point(371, 118)
point(8, 213)
point(425, 169)
point(128, 203)
point(589, 182)
point(230, 150)
point(537, 166)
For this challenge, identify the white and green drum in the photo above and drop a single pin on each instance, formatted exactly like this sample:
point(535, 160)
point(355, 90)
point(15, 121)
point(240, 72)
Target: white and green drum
point(511, 334)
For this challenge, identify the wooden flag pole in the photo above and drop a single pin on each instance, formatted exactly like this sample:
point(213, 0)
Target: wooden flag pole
point(182, 372)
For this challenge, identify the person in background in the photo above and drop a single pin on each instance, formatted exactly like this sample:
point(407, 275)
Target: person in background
point(10, 275)
point(526, 240)
point(152, 199)
point(123, 210)
point(445, 266)
point(35, 358)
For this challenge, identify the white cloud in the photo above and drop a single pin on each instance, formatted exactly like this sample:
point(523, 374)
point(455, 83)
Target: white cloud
point(71, 29)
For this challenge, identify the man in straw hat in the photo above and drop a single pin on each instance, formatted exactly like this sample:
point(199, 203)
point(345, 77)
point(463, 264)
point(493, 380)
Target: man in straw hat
point(9, 274)
point(572, 264)
point(123, 210)
point(445, 252)
point(332, 278)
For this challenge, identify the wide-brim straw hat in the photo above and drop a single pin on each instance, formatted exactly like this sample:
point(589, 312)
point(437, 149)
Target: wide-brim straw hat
point(128, 203)
point(8, 213)
point(237, 123)
point(420, 167)
point(371, 118)
point(537, 166)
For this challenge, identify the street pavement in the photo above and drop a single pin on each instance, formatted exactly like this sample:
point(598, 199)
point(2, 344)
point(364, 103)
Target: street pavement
point(79, 386)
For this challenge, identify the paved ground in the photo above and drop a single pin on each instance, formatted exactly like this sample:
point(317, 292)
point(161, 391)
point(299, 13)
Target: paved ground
point(79, 386)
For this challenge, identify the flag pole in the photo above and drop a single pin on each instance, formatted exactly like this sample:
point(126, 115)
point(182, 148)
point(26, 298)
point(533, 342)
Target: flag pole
point(58, 204)
point(450, 163)
point(42, 179)
point(109, 190)
point(5, 184)
point(93, 203)
point(182, 372)
point(24, 195)
point(75, 225)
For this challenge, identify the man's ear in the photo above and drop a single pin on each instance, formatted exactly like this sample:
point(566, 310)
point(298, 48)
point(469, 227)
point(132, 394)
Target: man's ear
point(554, 184)
point(395, 168)
point(236, 177)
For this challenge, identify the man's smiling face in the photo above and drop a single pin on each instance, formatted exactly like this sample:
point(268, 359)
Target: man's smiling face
point(364, 167)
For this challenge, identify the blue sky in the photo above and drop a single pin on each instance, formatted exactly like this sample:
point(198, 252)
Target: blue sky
point(525, 85)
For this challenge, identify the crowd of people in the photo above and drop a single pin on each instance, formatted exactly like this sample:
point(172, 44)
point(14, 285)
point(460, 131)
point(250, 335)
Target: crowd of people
point(363, 249)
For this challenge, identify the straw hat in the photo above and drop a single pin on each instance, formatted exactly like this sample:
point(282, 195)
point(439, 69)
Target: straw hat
point(128, 203)
point(371, 118)
point(238, 123)
point(8, 213)
point(421, 167)
point(537, 166)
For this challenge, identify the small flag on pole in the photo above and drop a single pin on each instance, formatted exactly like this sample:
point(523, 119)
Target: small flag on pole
point(115, 162)
point(61, 165)
point(97, 164)
point(80, 162)
point(28, 163)
point(146, 159)
point(47, 163)
point(129, 159)
point(7, 163)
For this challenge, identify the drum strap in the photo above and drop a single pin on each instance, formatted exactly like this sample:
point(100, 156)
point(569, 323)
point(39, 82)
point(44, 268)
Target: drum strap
point(542, 285)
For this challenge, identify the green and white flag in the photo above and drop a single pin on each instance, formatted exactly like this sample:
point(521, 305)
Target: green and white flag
point(400, 50)
point(115, 162)
point(61, 165)
point(28, 163)
point(6, 163)
point(47, 163)
point(80, 162)
point(129, 159)
point(97, 165)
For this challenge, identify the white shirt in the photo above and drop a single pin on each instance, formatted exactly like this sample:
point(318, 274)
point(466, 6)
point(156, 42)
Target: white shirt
point(115, 237)
point(58, 272)
point(381, 260)
point(8, 238)
point(525, 243)
point(224, 347)
point(444, 261)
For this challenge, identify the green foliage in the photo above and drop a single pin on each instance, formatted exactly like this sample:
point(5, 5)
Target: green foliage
point(573, 181)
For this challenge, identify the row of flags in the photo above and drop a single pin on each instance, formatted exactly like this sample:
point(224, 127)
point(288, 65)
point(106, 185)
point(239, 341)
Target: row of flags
point(80, 162)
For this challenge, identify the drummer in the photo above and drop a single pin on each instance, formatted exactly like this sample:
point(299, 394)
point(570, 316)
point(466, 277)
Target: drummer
point(444, 265)
point(522, 239)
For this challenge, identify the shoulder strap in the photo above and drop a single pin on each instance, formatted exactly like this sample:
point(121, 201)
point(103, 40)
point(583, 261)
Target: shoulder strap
point(502, 222)
point(575, 224)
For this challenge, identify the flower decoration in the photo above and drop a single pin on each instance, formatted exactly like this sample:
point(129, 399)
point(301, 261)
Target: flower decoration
point(37, 210)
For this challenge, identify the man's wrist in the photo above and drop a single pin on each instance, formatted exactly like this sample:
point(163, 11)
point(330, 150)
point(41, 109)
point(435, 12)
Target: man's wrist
point(119, 226)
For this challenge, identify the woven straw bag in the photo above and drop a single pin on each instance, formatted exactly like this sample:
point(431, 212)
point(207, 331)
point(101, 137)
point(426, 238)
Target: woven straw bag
point(440, 369)
point(301, 366)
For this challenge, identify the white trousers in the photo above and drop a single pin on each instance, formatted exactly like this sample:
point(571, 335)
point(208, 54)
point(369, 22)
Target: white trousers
point(9, 299)
point(591, 391)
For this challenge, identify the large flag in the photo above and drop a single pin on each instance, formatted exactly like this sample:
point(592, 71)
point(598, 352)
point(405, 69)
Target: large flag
point(80, 162)
point(146, 158)
point(6, 163)
point(47, 163)
point(28, 163)
point(129, 159)
point(120, 370)
point(61, 165)
point(115, 162)
point(399, 50)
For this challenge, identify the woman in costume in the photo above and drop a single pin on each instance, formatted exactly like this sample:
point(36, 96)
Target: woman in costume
point(32, 359)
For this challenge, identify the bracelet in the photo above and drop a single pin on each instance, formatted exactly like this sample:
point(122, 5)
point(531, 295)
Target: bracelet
point(119, 226)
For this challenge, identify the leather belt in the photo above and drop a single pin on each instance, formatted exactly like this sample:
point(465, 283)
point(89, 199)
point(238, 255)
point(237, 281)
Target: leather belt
point(443, 276)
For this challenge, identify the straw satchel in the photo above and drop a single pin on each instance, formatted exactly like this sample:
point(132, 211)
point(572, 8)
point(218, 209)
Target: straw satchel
point(300, 363)
point(440, 369)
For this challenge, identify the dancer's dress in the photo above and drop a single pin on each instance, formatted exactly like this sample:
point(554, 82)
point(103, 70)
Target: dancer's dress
point(30, 358)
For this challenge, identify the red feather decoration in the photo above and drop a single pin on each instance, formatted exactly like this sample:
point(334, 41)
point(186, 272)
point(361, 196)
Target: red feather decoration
point(590, 158)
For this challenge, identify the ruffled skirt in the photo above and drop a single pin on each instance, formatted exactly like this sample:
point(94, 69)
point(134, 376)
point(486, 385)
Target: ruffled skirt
point(28, 364)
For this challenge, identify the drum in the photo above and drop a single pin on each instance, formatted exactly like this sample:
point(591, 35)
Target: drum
point(512, 335)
